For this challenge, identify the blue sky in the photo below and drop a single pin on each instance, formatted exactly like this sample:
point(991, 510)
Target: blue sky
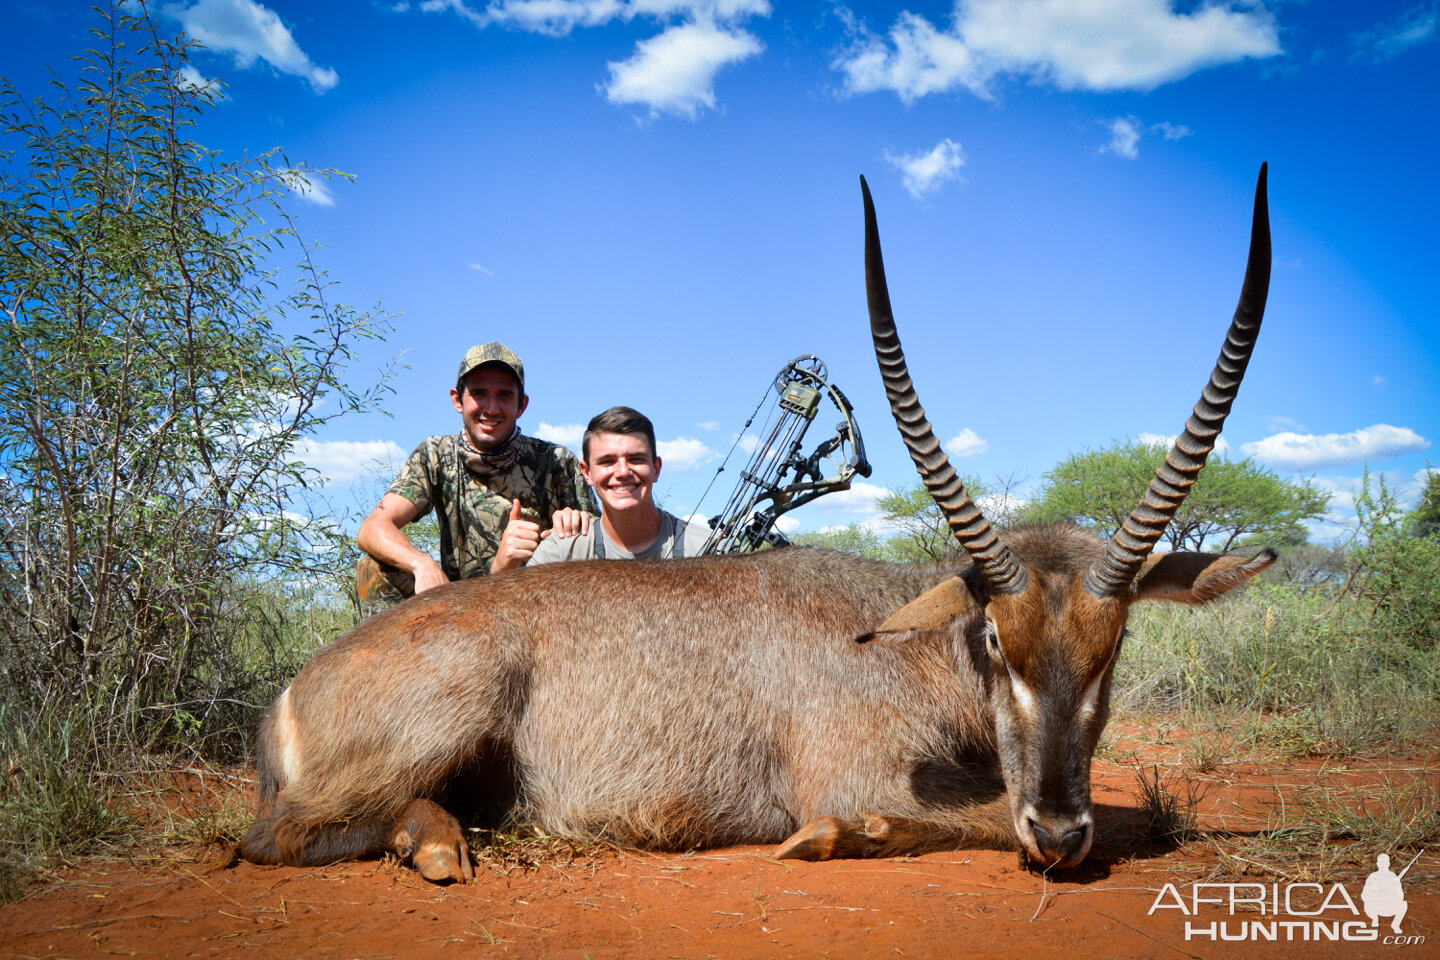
point(656, 203)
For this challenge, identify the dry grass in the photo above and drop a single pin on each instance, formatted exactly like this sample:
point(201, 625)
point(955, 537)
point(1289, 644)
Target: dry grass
point(506, 852)
point(1169, 805)
point(1323, 833)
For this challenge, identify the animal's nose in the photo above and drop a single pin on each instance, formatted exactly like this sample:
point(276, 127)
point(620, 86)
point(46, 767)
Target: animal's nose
point(1058, 849)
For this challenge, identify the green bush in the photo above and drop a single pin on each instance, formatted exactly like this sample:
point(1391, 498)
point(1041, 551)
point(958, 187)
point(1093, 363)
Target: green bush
point(151, 408)
point(1310, 670)
point(163, 566)
point(1334, 662)
point(1396, 570)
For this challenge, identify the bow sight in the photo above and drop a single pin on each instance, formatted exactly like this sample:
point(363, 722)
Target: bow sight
point(778, 472)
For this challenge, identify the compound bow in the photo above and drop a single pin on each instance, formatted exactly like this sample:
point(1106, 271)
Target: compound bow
point(778, 472)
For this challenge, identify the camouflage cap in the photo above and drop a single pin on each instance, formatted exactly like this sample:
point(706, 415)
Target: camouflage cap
point(492, 352)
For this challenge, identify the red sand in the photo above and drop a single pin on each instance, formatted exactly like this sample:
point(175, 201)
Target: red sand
point(739, 903)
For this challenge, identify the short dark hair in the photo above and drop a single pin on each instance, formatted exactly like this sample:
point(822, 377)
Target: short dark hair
point(618, 420)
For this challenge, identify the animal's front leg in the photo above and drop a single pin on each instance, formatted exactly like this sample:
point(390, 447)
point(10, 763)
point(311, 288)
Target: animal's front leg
point(431, 839)
point(873, 835)
point(825, 838)
point(833, 838)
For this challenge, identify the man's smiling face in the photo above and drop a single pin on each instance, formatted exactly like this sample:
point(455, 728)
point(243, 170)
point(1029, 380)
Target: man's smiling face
point(490, 402)
point(623, 470)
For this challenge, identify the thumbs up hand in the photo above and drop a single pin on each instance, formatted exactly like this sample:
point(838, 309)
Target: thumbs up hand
point(517, 543)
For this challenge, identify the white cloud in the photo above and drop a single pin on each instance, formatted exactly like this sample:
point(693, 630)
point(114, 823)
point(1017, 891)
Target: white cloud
point(966, 443)
point(566, 434)
point(557, 18)
point(1168, 440)
point(1331, 532)
point(788, 525)
point(189, 77)
point(481, 268)
point(684, 453)
point(1388, 40)
point(1343, 490)
point(926, 172)
point(342, 462)
point(1411, 492)
point(1342, 493)
point(250, 32)
point(1296, 451)
point(675, 72)
point(1170, 131)
point(459, 7)
point(748, 443)
point(1124, 138)
point(308, 187)
point(708, 424)
point(1001, 507)
point(1125, 134)
point(920, 60)
point(1116, 44)
point(702, 9)
point(554, 17)
point(1096, 45)
point(855, 505)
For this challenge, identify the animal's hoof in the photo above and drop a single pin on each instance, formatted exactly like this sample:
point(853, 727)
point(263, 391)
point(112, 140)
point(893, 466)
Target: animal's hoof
point(434, 843)
point(816, 840)
point(443, 863)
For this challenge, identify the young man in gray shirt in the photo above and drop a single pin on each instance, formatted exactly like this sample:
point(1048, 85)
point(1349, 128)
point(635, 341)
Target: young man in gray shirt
point(620, 463)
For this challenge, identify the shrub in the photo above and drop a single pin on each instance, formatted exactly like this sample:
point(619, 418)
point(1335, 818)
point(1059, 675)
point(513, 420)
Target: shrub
point(150, 406)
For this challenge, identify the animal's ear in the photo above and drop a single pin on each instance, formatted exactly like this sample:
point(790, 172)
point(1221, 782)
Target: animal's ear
point(1186, 577)
point(935, 609)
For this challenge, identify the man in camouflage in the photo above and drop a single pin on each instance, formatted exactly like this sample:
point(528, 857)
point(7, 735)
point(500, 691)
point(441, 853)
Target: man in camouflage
point(496, 492)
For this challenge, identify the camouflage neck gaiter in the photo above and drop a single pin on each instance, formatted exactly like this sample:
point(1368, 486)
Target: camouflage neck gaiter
point(487, 463)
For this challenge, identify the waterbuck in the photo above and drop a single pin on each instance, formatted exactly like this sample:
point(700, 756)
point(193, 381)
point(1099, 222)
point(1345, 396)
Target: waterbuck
point(837, 706)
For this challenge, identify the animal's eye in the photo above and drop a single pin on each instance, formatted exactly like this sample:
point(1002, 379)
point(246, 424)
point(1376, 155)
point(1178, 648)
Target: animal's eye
point(992, 642)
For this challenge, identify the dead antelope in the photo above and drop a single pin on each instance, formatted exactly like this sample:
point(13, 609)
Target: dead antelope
point(835, 705)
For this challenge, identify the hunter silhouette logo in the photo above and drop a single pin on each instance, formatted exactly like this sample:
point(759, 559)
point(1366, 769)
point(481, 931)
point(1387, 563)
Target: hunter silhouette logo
point(1294, 912)
point(1383, 896)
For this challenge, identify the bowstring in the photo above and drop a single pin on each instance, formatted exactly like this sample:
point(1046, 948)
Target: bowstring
point(728, 453)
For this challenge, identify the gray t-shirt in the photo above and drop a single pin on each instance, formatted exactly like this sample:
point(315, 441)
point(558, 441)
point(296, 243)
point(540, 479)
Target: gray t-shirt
point(677, 539)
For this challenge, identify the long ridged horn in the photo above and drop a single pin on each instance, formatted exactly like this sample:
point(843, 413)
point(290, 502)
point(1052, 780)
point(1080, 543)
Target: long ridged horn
point(1115, 571)
point(969, 525)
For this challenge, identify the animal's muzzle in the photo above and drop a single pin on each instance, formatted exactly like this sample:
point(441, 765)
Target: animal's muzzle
point(1054, 841)
point(1060, 850)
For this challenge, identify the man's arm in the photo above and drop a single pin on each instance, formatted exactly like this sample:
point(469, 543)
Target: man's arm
point(383, 537)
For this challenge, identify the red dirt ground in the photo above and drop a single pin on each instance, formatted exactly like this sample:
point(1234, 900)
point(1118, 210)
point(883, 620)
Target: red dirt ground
point(740, 903)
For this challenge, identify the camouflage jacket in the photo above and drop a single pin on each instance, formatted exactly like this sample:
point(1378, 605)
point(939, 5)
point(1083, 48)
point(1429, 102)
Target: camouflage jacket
point(473, 511)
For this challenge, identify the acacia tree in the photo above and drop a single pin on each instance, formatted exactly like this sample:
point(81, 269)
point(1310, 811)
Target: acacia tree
point(1233, 500)
point(150, 405)
point(1396, 565)
point(1424, 520)
point(855, 538)
point(922, 532)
